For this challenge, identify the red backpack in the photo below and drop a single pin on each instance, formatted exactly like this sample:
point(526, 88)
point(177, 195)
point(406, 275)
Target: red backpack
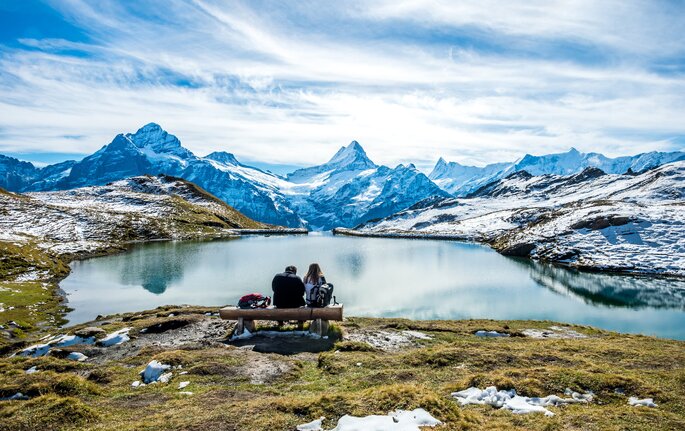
point(254, 300)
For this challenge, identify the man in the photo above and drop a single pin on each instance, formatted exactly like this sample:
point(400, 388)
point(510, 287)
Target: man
point(288, 289)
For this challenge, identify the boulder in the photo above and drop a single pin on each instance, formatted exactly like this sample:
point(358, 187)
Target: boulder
point(90, 331)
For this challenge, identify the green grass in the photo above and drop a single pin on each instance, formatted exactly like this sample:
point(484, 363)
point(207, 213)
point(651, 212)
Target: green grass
point(355, 379)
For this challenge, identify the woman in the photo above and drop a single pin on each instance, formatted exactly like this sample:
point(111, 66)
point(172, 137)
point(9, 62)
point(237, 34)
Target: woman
point(313, 278)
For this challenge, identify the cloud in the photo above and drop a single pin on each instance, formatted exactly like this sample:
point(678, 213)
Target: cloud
point(411, 82)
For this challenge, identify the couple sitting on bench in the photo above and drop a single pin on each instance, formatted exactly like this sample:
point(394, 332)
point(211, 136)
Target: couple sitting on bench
point(290, 290)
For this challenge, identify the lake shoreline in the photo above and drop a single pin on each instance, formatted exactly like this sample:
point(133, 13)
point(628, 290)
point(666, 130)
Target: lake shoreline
point(54, 306)
point(476, 240)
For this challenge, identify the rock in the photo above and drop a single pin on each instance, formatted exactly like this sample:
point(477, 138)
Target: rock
point(518, 250)
point(601, 222)
point(91, 331)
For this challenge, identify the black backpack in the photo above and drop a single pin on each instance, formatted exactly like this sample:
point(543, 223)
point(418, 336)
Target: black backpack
point(321, 295)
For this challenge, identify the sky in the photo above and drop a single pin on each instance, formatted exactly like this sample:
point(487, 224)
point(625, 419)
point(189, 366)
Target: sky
point(289, 82)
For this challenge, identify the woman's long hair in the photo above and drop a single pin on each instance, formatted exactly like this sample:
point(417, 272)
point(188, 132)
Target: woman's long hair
point(313, 274)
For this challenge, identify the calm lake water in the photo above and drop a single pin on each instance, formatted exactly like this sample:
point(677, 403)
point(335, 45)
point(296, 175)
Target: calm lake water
point(417, 279)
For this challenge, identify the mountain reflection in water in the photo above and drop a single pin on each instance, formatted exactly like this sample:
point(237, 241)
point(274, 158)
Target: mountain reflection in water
point(612, 290)
point(415, 279)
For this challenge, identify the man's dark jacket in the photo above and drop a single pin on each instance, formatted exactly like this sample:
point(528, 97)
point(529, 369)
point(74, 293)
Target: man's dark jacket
point(288, 290)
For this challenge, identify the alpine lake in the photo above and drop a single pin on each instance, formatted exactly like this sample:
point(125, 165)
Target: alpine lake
point(409, 278)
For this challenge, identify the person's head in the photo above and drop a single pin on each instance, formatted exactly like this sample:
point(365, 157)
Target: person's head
point(291, 269)
point(313, 274)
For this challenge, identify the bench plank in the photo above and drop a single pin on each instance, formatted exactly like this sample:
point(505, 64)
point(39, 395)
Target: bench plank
point(333, 312)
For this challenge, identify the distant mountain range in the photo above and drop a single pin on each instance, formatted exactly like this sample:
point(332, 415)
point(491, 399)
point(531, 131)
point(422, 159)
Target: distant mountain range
point(347, 190)
point(460, 180)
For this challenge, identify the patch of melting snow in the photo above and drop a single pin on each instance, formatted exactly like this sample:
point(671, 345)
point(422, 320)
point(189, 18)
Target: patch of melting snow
point(154, 371)
point(31, 370)
point(183, 385)
point(77, 356)
point(636, 402)
point(509, 400)
point(115, 338)
point(490, 334)
point(315, 425)
point(60, 341)
point(553, 332)
point(400, 420)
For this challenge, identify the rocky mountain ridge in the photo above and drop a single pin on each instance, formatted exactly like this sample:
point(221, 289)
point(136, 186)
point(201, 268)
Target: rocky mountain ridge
point(345, 191)
point(595, 220)
point(461, 180)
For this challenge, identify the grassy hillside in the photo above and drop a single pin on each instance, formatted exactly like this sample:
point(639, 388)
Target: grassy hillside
point(234, 388)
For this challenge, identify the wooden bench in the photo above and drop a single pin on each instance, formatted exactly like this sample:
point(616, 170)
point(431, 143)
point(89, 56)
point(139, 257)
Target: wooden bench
point(318, 316)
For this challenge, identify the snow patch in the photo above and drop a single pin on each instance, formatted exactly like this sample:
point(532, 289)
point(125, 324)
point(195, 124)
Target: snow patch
point(489, 334)
point(115, 338)
point(153, 372)
point(77, 356)
point(400, 420)
point(636, 402)
point(509, 400)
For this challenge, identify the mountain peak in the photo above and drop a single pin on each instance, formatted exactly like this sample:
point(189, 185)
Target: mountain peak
point(150, 127)
point(223, 157)
point(353, 156)
point(153, 137)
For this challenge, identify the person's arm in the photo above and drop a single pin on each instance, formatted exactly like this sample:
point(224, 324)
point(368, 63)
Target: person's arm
point(273, 284)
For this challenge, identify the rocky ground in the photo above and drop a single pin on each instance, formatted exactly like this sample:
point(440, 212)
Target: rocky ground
point(366, 366)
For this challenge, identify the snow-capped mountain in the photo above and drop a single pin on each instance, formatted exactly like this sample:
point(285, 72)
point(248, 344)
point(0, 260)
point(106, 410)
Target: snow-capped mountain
point(626, 222)
point(151, 150)
point(350, 189)
point(18, 175)
point(462, 180)
point(347, 190)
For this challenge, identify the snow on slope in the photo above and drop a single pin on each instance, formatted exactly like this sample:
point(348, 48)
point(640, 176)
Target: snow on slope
point(90, 219)
point(633, 223)
point(350, 189)
point(463, 180)
point(345, 191)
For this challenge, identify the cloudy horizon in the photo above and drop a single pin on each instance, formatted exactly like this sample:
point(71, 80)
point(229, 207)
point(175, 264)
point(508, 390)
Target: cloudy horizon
point(290, 83)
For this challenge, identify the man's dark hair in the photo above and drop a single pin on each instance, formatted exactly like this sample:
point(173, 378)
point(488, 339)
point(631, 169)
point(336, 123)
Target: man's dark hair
point(291, 268)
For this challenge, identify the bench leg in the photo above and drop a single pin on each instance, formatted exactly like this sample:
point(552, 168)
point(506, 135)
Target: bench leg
point(239, 327)
point(244, 325)
point(300, 325)
point(319, 327)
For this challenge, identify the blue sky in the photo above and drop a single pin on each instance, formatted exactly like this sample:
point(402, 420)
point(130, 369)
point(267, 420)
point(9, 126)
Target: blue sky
point(290, 82)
